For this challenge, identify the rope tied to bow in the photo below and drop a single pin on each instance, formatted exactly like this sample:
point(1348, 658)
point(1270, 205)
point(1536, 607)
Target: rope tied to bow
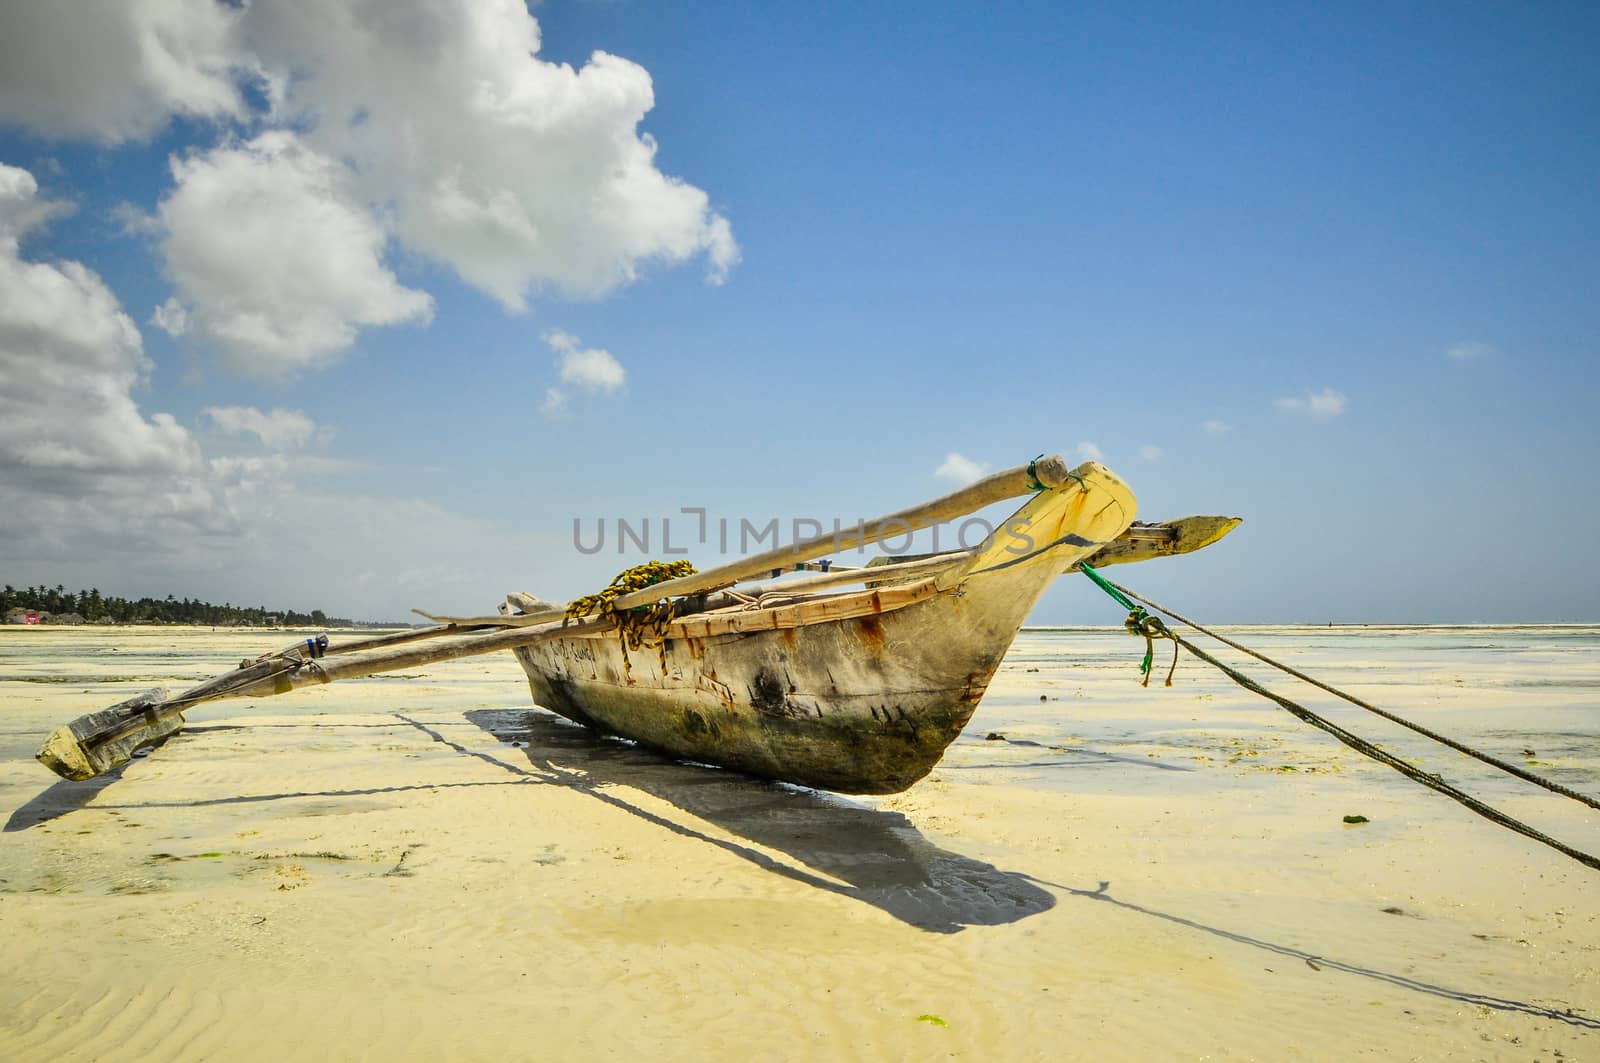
point(1140, 623)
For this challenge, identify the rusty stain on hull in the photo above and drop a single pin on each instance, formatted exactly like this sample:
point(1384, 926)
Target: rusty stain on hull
point(871, 634)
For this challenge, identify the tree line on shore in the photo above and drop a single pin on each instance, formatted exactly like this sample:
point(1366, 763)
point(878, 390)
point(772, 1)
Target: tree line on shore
point(93, 606)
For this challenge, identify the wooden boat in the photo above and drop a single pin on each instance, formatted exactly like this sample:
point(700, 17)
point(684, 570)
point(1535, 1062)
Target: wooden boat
point(856, 691)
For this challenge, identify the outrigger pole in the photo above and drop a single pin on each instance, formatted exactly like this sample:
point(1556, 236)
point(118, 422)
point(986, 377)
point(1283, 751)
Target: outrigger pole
point(101, 741)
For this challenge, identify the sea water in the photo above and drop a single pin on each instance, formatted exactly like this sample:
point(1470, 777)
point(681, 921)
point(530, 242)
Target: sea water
point(1526, 694)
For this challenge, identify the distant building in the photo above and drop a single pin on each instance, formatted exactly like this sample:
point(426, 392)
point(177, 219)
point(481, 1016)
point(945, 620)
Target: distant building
point(17, 616)
point(71, 619)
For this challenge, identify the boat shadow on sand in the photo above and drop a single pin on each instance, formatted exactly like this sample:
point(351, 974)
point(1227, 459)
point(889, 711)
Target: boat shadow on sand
point(873, 856)
point(885, 860)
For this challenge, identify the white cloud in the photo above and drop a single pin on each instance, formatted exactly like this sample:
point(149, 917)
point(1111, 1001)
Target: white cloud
point(121, 70)
point(721, 248)
point(170, 317)
point(518, 174)
point(386, 556)
point(273, 259)
point(69, 360)
point(555, 400)
point(1466, 352)
point(277, 429)
point(590, 368)
point(91, 485)
point(21, 208)
point(1089, 452)
point(84, 474)
point(959, 469)
point(1215, 427)
point(134, 221)
point(1319, 404)
point(1151, 453)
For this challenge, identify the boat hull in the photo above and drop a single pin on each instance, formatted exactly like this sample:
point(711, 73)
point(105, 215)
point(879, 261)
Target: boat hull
point(861, 703)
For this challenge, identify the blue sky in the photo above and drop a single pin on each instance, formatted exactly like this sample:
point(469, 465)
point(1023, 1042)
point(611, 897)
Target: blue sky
point(1331, 268)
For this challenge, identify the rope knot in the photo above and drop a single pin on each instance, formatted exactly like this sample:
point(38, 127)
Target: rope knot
point(1034, 483)
point(643, 626)
point(1151, 628)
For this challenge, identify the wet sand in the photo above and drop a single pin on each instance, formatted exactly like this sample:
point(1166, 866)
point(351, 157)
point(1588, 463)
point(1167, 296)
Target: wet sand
point(421, 866)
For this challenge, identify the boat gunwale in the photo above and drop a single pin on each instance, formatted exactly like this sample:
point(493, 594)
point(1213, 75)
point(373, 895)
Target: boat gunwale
point(819, 609)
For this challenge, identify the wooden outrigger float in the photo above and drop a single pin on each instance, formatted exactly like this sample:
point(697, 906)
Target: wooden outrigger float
point(857, 691)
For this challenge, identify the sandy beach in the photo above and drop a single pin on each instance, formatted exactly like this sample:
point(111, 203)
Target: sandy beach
point(422, 866)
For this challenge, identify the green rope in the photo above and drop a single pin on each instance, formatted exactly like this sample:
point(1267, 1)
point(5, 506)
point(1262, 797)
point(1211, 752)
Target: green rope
point(1383, 756)
point(1466, 750)
point(1100, 581)
point(1034, 483)
point(1138, 623)
point(1148, 624)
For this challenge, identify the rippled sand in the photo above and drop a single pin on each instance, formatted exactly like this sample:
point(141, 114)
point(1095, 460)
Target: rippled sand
point(423, 867)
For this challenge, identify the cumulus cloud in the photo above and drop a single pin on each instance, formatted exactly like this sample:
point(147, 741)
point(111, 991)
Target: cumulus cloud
point(273, 258)
point(1319, 404)
point(129, 501)
point(1466, 352)
point(959, 469)
point(121, 71)
point(277, 429)
point(135, 221)
point(589, 368)
point(22, 209)
point(69, 361)
point(170, 317)
point(1215, 428)
point(1089, 452)
point(84, 472)
point(721, 249)
point(519, 174)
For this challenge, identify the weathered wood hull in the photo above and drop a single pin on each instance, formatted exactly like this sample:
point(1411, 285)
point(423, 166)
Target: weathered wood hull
point(863, 702)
